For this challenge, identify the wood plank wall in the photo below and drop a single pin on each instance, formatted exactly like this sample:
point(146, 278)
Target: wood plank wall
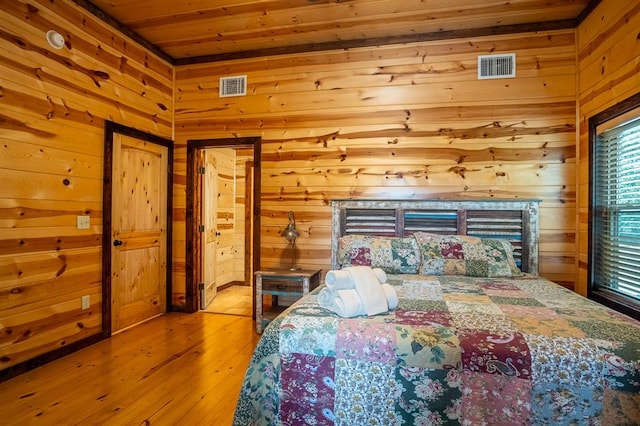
point(53, 105)
point(608, 45)
point(385, 122)
point(404, 121)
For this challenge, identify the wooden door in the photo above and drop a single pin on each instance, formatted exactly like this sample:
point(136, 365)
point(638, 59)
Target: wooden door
point(210, 234)
point(225, 216)
point(138, 231)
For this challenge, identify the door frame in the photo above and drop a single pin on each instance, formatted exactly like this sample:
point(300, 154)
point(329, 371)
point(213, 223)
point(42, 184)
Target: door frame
point(194, 209)
point(107, 197)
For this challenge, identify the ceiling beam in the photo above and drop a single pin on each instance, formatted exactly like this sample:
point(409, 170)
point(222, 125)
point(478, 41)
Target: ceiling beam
point(380, 41)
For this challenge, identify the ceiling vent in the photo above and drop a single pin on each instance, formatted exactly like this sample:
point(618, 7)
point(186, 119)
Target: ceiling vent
point(497, 66)
point(233, 86)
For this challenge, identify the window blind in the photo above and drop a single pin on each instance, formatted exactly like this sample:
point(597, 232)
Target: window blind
point(617, 210)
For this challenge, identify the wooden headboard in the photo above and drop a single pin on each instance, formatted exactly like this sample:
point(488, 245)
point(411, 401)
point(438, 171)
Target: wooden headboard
point(514, 220)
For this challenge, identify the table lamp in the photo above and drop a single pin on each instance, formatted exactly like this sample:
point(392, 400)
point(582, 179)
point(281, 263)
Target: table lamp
point(290, 233)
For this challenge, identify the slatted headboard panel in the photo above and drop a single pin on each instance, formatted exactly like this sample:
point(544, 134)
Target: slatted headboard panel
point(514, 220)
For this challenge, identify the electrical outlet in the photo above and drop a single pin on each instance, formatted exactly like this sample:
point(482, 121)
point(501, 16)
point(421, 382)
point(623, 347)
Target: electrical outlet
point(83, 222)
point(86, 302)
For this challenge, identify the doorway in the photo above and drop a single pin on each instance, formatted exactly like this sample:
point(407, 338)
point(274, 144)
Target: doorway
point(215, 228)
point(136, 254)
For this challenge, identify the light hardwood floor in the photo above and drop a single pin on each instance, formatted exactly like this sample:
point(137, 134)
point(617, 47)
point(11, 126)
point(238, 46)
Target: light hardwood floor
point(174, 369)
point(234, 300)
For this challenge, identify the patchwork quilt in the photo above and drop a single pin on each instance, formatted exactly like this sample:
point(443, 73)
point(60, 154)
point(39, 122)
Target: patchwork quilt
point(457, 350)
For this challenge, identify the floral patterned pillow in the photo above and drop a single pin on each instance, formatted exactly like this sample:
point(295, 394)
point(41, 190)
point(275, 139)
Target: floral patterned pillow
point(394, 255)
point(464, 255)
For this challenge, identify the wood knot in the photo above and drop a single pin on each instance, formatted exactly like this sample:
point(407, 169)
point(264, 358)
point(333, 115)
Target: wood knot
point(101, 74)
point(460, 171)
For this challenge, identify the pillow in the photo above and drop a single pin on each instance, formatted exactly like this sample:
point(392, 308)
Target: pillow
point(464, 255)
point(394, 255)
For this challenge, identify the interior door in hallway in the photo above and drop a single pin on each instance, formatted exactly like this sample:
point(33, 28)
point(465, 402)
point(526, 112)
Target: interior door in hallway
point(138, 231)
point(226, 220)
point(210, 236)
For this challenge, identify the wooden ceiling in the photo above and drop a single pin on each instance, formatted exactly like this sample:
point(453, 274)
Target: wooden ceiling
point(204, 30)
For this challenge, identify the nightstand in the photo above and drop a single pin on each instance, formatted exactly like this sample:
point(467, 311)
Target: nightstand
point(277, 283)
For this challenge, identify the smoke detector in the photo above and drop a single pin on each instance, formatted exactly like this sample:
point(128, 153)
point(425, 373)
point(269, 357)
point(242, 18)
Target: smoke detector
point(55, 39)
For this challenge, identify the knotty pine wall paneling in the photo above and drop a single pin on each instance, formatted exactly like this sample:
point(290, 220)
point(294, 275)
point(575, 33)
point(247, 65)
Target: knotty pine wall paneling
point(401, 121)
point(53, 105)
point(608, 51)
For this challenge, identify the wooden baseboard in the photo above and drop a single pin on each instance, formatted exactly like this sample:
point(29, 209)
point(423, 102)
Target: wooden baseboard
point(40, 360)
point(231, 284)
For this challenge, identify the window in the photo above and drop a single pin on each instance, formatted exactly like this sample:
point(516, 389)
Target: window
point(615, 207)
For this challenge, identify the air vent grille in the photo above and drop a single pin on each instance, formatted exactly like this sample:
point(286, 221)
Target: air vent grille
point(497, 66)
point(233, 86)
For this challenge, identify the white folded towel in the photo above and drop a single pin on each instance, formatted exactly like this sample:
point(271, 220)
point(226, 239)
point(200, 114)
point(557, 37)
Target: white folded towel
point(326, 298)
point(391, 294)
point(381, 275)
point(348, 304)
point(369, 289)
point(341, 295)
point(338, 280)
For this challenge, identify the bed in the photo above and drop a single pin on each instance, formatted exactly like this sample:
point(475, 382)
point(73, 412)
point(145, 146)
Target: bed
point(481, 345)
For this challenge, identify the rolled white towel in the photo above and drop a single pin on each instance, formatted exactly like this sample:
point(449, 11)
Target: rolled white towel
point(338, 280)
point(326, 298)
point(380, 275)
point(391, 294)
point(348, 303)
point(369, 289)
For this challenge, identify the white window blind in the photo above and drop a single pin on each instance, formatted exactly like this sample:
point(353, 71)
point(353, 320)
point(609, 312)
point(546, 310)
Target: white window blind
point(617, 210)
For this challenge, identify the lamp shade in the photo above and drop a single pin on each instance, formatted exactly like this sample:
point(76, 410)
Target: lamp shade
point(290, 233)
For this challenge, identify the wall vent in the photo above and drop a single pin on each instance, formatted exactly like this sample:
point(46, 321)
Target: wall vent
point(233, 86)
point(497, 66)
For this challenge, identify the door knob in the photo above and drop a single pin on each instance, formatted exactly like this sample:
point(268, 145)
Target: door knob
point(117, 243)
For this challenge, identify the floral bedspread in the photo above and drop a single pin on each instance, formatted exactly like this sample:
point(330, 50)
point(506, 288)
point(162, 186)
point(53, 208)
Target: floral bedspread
point(458, 350)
